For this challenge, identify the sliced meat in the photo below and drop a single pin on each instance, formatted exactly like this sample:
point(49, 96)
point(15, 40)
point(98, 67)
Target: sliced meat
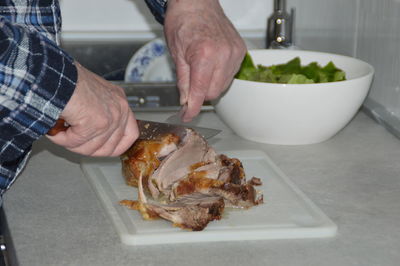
point(233, 194)
point(178, 164)
point(233, 171)
point(191, 212)
point(196, 183)
point(209, 170)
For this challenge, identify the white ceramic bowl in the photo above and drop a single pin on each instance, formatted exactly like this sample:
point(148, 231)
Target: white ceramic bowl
point(293, 114)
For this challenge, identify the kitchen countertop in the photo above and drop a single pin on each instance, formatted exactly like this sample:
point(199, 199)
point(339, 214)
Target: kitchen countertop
point(55, 217)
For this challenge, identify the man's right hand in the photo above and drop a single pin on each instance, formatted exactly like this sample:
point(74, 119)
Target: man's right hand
point(101, 122)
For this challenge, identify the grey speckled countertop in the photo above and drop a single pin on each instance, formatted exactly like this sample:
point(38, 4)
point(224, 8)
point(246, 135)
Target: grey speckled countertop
point(56, 219)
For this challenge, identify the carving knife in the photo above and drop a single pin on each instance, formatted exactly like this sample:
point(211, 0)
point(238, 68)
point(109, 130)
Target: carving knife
point(150, 129)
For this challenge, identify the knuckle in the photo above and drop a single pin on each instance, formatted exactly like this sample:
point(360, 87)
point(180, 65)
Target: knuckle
point(224, 55)
point(241, 46)
point(199, 89)
point(134, 136)
point(238, 52)
point(121, 107)
point(207, 49)
point(103, 123)
point(125, 108)
point(115, 115)
point(212, 95)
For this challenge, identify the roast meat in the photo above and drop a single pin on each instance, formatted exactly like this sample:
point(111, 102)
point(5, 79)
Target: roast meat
point(189, 183)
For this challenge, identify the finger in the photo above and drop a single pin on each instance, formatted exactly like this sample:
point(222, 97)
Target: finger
point(109, 146)
point(183, 80)
point(60, 138)
point(218, 84)
point(93, 144)
point(182, 111)
point(74, 136)
point(201, 73)
point(90, 128)
point(113, 142)
point(227, 66)
point(131, 133)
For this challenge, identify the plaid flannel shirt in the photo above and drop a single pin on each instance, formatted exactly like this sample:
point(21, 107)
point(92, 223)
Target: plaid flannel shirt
point(37, 78)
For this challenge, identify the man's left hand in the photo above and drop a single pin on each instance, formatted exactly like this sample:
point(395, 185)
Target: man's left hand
point(206, 48)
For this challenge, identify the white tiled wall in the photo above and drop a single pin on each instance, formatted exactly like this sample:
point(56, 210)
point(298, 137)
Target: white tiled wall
point(325, 25)
point(379, 44)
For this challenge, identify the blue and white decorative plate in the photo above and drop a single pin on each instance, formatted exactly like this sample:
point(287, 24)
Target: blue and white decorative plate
point(151, 63)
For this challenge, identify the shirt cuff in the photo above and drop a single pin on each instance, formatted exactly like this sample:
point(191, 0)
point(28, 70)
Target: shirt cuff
point(158, 9)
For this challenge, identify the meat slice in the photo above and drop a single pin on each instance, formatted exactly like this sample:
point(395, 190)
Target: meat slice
point(234, 195)
point(255, 181)
point(192, 212)
point(232, 171)
point(179, 164)
point(190, 182)
point(210, 170)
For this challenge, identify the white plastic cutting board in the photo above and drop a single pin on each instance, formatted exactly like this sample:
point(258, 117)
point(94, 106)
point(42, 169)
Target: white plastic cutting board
point(286, 213)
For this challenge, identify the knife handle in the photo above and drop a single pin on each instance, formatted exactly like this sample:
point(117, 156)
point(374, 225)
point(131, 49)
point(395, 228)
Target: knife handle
point(60, 125)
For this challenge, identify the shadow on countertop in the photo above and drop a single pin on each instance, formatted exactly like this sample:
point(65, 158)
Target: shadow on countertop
point(44, 144)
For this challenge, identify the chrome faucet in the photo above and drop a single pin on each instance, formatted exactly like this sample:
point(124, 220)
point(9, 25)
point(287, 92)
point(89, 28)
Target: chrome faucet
point(280, 27)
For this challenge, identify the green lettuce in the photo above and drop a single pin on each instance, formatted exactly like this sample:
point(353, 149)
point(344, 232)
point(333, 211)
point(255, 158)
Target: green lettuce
point(291, 72)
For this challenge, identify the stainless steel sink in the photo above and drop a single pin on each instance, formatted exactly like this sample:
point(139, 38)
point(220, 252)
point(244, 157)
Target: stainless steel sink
point(154, 96)
point(151, 96)
point(107, 59)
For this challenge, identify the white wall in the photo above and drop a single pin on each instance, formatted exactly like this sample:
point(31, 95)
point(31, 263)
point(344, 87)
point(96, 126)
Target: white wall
point(379, 44)
point(326, 25)
point(131, 19)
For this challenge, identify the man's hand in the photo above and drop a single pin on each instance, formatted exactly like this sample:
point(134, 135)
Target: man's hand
point(206, 48)
point(101, 122)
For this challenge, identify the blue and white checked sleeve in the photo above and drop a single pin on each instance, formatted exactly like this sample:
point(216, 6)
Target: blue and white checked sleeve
point(158, 9)
point(37, 79)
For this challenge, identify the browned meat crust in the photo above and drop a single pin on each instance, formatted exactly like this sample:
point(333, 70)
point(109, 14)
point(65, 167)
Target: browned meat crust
point(144, 157)
point(255, 181)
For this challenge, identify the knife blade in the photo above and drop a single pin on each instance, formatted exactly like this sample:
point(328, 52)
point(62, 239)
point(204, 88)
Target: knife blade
point(152, 130)
point(149, 129)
